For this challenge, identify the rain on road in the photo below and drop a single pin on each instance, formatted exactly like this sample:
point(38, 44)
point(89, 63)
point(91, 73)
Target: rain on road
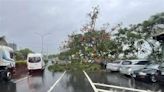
point(73, 82)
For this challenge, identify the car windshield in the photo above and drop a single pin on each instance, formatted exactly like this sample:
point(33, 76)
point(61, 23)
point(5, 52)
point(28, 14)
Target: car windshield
point(34, 59)
point(152, 66)
point(161, 67)
point(142, 63)
point(7, 55)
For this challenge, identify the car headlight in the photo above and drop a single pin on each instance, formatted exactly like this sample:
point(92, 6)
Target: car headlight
point(130, 69)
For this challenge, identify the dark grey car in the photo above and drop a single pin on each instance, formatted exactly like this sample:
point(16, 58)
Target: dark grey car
point(149, 73)
point(160, 75)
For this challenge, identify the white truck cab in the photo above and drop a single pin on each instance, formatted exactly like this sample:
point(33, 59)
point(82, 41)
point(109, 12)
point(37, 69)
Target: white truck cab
point(7, 62)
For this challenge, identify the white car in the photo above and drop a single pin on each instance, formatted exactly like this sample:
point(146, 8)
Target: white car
point(129, 66)
point(114, 66)
point(35, 62)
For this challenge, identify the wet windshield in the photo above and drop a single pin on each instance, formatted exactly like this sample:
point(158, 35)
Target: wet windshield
point(65, 40)
point(6, 55)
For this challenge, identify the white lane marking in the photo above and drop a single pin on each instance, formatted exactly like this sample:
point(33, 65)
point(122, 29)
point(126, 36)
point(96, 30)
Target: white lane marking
point(22, 79)
point(52, 87)
point(90, 81)
point(102, 90)
point(110, 86)
point(118, 87)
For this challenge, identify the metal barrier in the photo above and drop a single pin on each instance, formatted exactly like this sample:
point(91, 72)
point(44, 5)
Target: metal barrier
point(110, 86)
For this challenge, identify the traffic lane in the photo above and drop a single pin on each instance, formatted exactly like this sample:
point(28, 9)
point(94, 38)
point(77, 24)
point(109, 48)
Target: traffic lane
point(7, 86)
point(38, 82)
point(73, 82)
point(114, 78)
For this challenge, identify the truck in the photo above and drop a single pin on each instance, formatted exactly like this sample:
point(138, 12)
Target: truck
point(7, 63)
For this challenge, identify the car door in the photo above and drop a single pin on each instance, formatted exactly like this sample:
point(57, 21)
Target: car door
point(161, 72)
point(140, 65)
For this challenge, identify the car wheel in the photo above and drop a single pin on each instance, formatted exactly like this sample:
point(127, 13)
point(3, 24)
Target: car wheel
point(8, 76)
point(133, 76)
point(29, 72)
point(153, 79)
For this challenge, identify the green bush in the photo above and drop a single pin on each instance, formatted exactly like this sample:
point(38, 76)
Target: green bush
point(45, 61)
point(56, 68)
point(75, 66)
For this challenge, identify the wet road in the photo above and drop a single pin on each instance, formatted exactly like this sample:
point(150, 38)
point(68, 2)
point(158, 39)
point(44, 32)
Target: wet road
point(73, 82)
point(37, 81)
point(120, 80)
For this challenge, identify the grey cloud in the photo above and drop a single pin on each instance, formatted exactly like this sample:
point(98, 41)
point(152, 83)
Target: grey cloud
point(20, 20)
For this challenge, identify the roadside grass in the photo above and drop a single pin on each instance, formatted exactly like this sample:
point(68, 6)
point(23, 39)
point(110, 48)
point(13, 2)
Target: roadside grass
point(21, 62)
point(21, 68)
point(75, 66)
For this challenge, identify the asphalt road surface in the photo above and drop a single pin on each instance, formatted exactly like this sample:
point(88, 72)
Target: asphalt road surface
point(73, 82)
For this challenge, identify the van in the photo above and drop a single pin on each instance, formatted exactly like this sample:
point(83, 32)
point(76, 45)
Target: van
point(35, 62)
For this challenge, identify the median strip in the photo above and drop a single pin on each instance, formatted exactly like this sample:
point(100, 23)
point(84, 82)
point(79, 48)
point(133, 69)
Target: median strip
point(53, 86)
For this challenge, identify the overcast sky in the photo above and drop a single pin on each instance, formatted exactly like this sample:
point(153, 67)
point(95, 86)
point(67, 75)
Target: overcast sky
point(22, 20)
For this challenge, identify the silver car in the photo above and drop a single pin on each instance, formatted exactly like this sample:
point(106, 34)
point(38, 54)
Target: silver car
point(129, 66)
point(114, 66)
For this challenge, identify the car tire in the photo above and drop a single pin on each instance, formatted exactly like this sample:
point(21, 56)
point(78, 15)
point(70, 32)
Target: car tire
point(7, 76)
point(153, 78)
point(29, 72)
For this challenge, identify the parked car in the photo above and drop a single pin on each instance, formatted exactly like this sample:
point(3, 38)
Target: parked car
point(103, 64)
point(114, 66)
point(129, 66)
point(148, 73)
point(160, 74)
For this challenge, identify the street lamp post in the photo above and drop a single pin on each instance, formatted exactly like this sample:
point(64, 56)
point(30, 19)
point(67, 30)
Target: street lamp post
point(42, 39)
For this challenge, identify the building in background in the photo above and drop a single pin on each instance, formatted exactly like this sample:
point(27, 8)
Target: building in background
point(13, 46)
point(3, 41)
